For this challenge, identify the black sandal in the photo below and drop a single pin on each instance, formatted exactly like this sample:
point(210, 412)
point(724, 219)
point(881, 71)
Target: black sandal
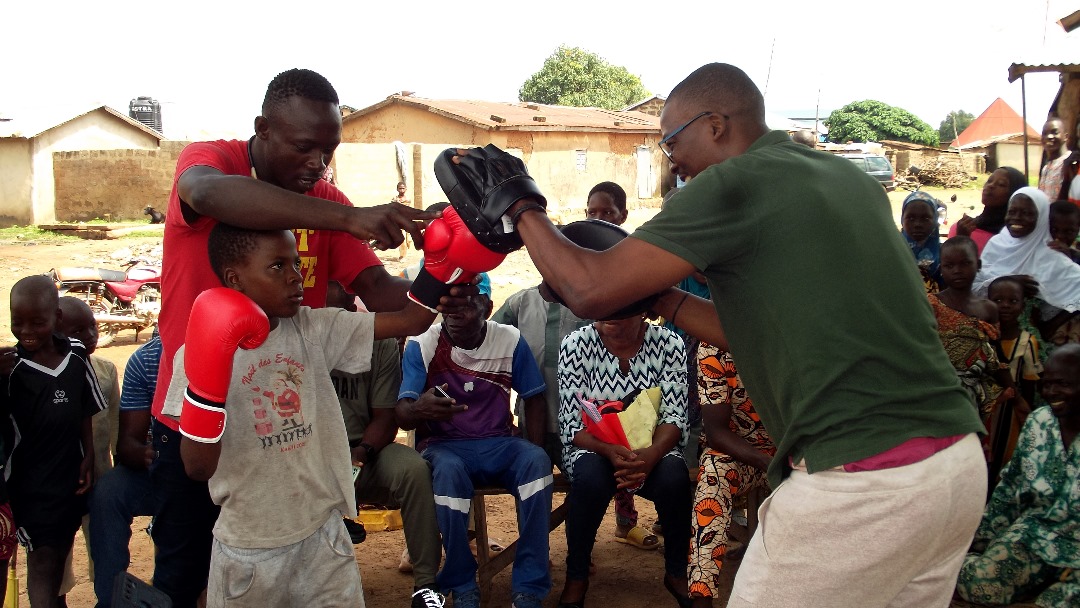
point(578, 603)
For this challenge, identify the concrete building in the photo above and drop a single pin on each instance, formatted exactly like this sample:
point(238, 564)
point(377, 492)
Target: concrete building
point(567, 149)
point(27, 181)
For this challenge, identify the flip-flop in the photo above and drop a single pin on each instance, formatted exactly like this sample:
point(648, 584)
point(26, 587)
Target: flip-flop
point(641, 538)
point(494, 545)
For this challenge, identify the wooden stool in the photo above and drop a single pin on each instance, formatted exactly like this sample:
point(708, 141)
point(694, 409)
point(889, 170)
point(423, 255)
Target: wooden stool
point(489, 565)
point(749, 501)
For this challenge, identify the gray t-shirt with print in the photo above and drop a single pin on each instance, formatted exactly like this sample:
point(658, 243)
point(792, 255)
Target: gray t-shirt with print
point(285, 464)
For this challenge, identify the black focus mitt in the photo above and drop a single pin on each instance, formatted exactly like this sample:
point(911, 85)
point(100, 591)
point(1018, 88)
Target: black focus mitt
point(481, 187)
point(599, 235)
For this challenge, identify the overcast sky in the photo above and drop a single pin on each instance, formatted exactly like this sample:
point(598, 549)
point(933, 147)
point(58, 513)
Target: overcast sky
point(208, 63)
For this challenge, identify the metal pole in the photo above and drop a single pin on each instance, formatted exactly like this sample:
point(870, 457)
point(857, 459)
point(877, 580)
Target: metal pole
point(817, 116)
point(1023, 106)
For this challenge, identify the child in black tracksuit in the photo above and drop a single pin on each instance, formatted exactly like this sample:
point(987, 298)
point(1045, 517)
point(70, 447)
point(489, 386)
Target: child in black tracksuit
point(51, 393)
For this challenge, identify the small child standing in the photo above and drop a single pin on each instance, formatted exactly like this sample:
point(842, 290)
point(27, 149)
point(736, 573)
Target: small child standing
point(1064, 228)
point(1055, 153)
point(52, 392)
point(77, 321)
point(255, 358)
point(1019, 350)
point(967, 324)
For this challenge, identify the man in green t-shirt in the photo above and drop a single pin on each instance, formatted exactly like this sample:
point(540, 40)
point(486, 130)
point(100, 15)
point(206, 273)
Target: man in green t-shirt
point(815, 294)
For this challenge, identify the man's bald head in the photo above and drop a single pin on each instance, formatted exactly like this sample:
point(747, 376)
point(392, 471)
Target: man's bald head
point(724, 88)
point(805, 138)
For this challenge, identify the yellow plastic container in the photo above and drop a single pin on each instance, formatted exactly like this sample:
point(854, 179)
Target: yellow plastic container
point(380, 520)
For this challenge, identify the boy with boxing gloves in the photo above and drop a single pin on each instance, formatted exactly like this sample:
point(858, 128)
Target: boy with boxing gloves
point(260, 420)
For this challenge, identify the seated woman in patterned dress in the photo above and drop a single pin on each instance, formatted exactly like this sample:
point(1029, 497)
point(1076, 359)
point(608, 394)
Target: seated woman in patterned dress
point(1028, 542)
point(736, 451)
point(609, 361)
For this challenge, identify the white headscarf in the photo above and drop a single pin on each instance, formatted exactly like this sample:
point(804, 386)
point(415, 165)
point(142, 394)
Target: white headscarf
point(1005, 255)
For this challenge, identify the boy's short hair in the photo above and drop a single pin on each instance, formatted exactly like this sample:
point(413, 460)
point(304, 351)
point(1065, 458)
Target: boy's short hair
point(962, 241)
point(298, 82)
point(1006, 279)
point(612, 189)
point(37, 286)
point(1064, 209)
point(229, 245)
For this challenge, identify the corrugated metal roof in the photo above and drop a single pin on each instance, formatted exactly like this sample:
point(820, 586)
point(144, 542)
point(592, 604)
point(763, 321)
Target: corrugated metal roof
point(1005, 137)
point(1017, 70)
point(643, 102)
point(501, 116)
point(28, 127)
point(905, 145)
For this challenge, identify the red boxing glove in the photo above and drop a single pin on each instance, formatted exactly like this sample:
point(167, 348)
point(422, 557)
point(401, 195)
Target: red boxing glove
point(452, 256)
point(221, 321)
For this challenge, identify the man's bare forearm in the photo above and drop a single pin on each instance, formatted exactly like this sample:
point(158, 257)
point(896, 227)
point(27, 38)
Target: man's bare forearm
point(242, 201)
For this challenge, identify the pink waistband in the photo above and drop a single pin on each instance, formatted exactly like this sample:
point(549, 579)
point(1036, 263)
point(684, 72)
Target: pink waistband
point(909, 452)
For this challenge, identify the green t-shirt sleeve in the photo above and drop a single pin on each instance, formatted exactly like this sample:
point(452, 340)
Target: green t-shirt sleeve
point(705, 224)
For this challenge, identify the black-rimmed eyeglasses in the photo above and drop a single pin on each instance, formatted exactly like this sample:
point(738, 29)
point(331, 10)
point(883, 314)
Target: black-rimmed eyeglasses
point(663, 144)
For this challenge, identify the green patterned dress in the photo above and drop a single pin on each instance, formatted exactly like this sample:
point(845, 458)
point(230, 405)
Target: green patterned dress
point(1028, 542)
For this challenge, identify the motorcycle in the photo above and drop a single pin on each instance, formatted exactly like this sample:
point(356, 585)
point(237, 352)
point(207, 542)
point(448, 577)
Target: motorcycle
point(128, 299)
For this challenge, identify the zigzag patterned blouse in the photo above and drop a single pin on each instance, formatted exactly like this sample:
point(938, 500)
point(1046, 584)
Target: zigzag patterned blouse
point(586, 367)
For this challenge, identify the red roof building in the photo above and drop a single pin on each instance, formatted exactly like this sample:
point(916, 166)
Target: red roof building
point(996, 121)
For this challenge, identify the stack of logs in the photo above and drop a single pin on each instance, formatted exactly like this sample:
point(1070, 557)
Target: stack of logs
point(942, 171)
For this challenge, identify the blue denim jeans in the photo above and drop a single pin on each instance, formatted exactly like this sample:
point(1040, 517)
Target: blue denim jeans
point(591, 490)
point(510, 462)
point(120, 496)
point(183, 528)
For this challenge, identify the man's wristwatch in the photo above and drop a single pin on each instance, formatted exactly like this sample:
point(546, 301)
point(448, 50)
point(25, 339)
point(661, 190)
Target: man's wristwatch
point(368, 450)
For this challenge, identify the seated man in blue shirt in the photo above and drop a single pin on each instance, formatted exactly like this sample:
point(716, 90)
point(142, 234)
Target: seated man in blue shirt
point(469, 440)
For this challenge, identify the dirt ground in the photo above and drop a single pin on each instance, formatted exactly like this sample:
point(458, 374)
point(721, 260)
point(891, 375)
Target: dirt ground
point(626, 577)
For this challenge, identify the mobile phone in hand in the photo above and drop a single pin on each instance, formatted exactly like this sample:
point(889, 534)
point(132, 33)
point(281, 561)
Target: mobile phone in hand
point(439, 392)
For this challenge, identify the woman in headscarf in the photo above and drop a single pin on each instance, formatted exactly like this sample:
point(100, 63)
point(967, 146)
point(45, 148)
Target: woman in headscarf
point(1021, 250)
point(919, 225)
point(996, 193)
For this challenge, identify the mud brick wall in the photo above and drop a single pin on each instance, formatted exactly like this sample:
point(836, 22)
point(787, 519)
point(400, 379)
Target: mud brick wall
point(114, 184)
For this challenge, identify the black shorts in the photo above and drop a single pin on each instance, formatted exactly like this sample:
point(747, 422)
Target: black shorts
point(60, 532)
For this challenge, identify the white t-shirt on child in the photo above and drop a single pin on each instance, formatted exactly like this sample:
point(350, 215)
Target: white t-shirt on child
point(285, 463)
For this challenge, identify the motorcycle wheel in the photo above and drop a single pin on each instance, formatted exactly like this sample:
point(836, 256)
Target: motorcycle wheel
point(106, 334)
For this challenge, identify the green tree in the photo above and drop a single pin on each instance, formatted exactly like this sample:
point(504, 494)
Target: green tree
point(962, 118)
point(576, 77)
point(871, 120)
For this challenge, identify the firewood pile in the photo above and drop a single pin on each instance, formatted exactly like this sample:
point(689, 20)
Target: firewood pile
point(942, 171)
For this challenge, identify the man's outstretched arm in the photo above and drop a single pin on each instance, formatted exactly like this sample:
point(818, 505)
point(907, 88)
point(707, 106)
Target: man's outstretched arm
point(597, 283)
point(250, 203)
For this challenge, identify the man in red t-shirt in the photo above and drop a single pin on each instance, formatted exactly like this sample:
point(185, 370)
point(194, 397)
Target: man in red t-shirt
point(271, 181)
